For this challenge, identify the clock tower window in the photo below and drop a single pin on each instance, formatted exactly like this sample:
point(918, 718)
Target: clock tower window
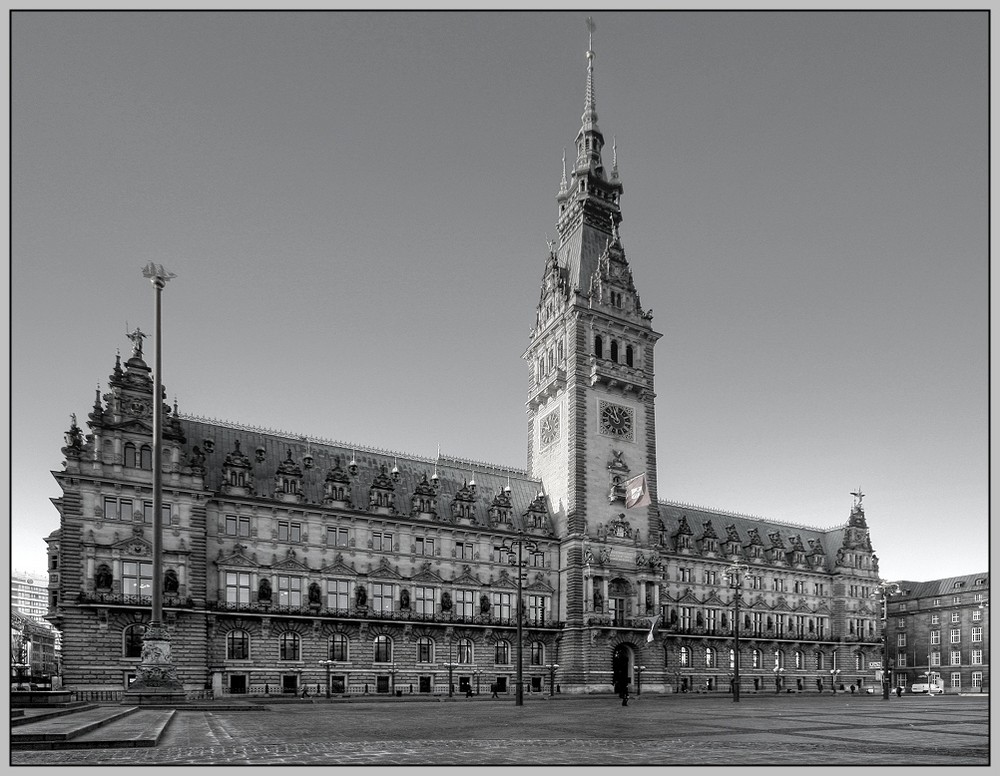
point(599, 346)
point(629, 355)
point(614, 351)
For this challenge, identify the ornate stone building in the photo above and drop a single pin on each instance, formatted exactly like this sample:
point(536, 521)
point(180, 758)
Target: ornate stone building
point(291, 561)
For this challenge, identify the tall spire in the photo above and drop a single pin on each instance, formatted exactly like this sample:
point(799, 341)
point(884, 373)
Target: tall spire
point(589, 139)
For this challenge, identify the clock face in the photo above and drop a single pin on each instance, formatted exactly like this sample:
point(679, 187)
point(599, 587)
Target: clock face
point(616, 420)
point(139, 408)
point(549, 428)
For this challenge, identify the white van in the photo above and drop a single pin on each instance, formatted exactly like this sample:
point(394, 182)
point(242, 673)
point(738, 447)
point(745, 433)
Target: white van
point(935, 687)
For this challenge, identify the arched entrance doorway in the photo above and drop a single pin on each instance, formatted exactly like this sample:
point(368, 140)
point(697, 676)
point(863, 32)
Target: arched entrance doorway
point(621, 670)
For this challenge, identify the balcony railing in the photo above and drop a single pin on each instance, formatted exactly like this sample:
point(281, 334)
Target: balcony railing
point(120, 599)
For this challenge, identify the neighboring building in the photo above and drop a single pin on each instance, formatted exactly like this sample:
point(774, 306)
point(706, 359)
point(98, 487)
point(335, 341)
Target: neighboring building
point(942, 626)
point(291, 560)
point(29, 595)
point(33, 646)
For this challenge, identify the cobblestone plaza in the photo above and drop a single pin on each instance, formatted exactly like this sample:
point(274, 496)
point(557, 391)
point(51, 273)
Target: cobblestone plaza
point(828, 730)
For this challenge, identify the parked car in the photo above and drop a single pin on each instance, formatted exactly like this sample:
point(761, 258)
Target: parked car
point(922, 688)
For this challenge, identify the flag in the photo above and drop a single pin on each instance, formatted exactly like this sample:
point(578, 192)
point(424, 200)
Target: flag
point(652, 625)
point(637, 492)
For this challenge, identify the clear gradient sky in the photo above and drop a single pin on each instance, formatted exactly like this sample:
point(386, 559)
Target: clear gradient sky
point(356, 206)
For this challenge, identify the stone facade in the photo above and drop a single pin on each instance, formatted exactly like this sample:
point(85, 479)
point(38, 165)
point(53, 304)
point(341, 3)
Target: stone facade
point(293, 562)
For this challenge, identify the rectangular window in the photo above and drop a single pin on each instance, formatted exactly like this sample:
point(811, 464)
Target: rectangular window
point(137, 578)
point(901, 660)
point(237, 525)
point(499, 555)
point(464, 550)
point(337, 536)
point(956, 657)
point(381, 597)
point(956, 616)
point(977, 615)
point(818, 588)
point(900, 639)
point(685, 574)
point(756, 582)
point(237, 587)
point(686, 617)
point(147, 512)
point(290, 591)
point(424, 546)
point(977, 633)
point(711, 620)
point(710, 577)
point(465, 603)
point(538, 607)
point(977, 679)
point(935, 619)
point(935, 658)
point(956, 680)
point(289, 532)
point(955, 635)
point(540, 560)
point(423, 600)
point(976, 658)
point(110, 508)
point(381, 541)
point(338, 594)
point(502, 605)
point(935, 637)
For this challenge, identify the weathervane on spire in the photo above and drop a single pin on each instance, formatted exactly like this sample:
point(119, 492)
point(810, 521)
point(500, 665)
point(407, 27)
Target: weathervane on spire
point(858, 495)
point(590, 28)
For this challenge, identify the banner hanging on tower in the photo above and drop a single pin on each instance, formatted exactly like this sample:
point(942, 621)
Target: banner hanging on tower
point(637, 492)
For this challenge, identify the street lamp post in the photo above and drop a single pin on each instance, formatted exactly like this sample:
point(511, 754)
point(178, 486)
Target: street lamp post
point(392, 678)
point(884, 590)
point(638, 679)
point(833, 679)
point(327, 663)
point(552, 678)
point(477, 672)
point(156, 677)
point(451, 686)
point(736, 573)
point(515, 549)
point(777, 679)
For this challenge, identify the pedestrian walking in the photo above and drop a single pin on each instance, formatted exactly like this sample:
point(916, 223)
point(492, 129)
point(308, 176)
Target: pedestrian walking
point(493, 689)
point(899, 692)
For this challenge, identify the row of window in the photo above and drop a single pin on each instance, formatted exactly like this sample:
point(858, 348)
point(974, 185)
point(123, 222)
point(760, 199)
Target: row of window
point(687, 617)
point(614, 349)
point(954, 636)
point(382, 541)
point(390, 597)
point(708, 657)
point(128, 509)
point(902, 606)
point(753, 582)
point(955, 658)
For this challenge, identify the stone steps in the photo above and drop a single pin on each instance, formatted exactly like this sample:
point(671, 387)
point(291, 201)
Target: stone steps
point(96, 727)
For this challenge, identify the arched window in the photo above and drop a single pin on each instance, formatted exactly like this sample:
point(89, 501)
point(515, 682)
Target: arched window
point(599, 347)
point(757, 659)
point(289, 646)
point(709, 657)
point(146, 458)
point(779, 659)
point(425, 649)
point(629, 356)
point(465, 650)
point(338, 647)
point(132, 640)
point(237, 645)
point(819, 661)
point(131, 460)
point(614, 351)
point(502, 657)
point(800, 659)
point(859, 661)
point(684, 657)
point(383, 649)
point(537, 653)
point(732, 660)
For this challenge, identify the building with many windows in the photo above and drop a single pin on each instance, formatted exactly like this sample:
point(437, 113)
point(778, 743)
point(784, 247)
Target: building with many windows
point(941, 627)
point(292, 561)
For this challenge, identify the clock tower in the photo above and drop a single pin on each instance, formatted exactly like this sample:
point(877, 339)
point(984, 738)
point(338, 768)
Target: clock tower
point(590, 391)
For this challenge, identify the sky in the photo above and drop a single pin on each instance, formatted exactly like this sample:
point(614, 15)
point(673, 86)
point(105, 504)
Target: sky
point(356, 207)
